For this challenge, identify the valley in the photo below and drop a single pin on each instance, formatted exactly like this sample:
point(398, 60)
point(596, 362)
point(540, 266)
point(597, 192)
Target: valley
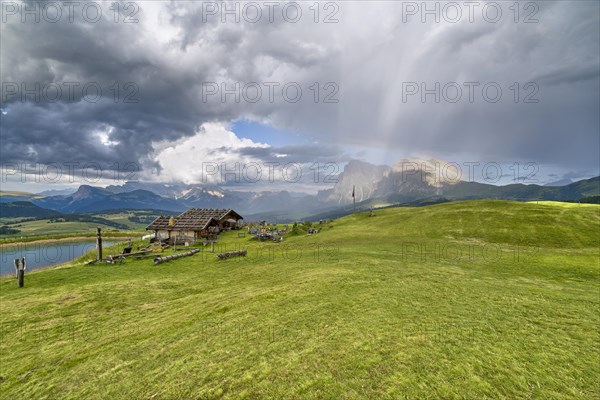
point(370, 307)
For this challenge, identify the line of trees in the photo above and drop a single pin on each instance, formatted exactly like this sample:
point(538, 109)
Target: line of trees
point(7, 230)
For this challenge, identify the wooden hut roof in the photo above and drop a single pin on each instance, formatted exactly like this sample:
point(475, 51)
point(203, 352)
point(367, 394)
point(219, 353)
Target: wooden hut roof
point(216, 213)
point(159, 224)
point(194, 219)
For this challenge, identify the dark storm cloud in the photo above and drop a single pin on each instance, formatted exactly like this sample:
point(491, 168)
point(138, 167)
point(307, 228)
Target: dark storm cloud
point(559, 54)
point(67, 130)
point(167, 96)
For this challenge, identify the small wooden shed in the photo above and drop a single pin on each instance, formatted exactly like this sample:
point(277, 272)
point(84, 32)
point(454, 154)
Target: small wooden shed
point(194, 224)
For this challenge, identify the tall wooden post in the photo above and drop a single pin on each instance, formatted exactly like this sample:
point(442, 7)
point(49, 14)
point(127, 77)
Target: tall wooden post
point(20, 266)
point(99, 244)
point(21, 278)
point(17, 263)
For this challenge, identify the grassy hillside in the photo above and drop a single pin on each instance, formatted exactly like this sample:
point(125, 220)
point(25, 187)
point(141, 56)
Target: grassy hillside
point(14, 193)
point(46, 227)
point(135, 219)
point(78, 224)
point(478, 299)
point(565, 204)
point(24, 209)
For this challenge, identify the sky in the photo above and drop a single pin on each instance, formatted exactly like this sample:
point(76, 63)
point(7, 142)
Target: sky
point(161, 91)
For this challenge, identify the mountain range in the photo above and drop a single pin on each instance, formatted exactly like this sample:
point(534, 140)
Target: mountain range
point(374, 185)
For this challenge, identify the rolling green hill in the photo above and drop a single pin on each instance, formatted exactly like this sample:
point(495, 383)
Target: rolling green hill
point(24, 195)
point(24, 209)
point(58, 224)
point(517, 191)
point(473, 300)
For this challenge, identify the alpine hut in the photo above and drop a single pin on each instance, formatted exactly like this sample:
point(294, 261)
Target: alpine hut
point(194, 224)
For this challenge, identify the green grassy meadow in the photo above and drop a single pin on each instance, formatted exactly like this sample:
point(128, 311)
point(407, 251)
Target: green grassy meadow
point(563, 204)
point(57, 227)
point(44, 227)
point(16, 193)
point(465, 300)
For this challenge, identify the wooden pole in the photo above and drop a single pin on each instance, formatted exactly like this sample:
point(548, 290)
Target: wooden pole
point(21, 278)
point(21, 271)
point(16, 267)
point(99, 244)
